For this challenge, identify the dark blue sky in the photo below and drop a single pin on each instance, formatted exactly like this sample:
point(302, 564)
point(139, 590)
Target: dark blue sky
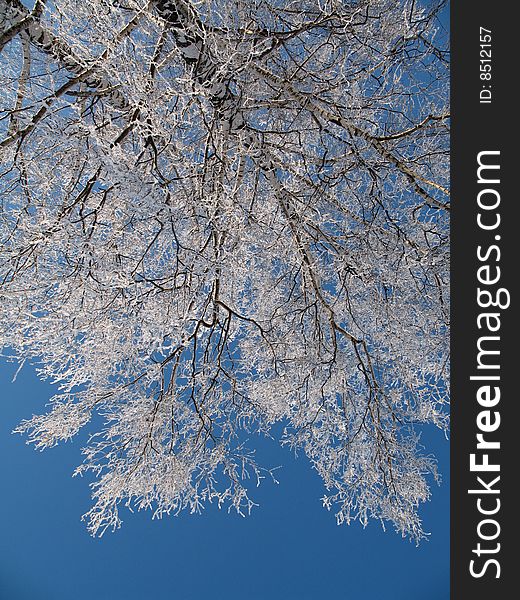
point(290, 548)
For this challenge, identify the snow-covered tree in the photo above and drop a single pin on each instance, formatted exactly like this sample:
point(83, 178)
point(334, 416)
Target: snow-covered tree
point(221, 216)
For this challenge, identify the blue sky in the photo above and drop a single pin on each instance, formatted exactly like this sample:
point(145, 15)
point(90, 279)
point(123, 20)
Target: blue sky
point(290, 548)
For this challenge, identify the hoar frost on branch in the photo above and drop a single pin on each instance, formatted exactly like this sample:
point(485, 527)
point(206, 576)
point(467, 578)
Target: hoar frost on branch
point(221, 216)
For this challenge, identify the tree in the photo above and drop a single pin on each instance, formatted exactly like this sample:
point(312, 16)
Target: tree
point(222, 216)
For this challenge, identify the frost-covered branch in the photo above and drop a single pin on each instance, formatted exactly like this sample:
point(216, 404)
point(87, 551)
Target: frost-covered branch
point(220, 217)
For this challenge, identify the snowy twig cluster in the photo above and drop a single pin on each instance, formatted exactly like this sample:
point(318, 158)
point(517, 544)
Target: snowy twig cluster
point(216, 217)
